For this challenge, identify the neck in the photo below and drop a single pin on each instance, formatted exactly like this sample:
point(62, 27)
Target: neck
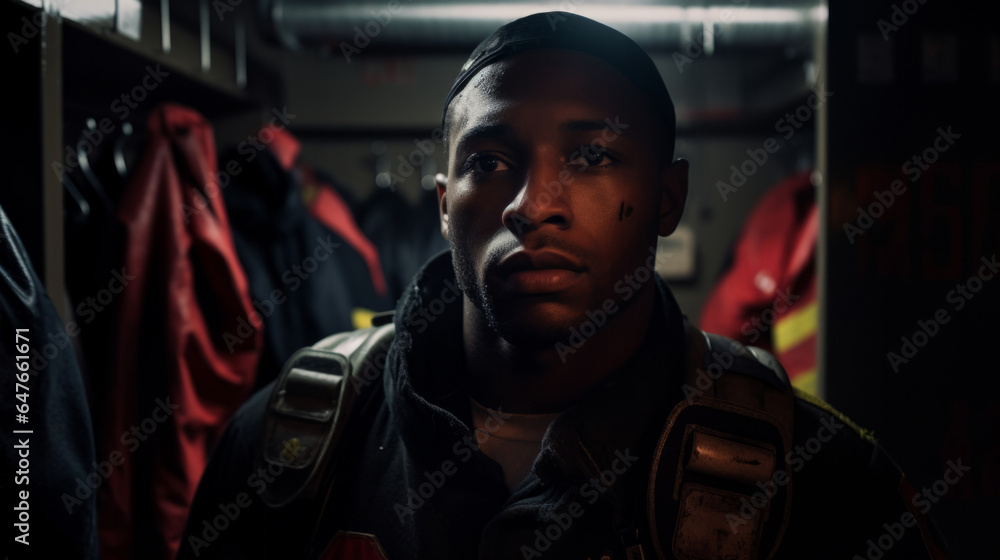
point(535, 380)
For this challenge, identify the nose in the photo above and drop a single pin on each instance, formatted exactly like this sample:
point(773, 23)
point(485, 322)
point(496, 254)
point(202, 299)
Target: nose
point(542, 200)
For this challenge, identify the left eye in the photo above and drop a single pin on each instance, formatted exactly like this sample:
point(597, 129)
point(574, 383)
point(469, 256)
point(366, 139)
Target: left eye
point(588, 156)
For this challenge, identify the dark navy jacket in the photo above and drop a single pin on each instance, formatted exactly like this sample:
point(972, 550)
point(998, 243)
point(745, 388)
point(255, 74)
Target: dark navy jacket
point(416, 480)
point(52, 470)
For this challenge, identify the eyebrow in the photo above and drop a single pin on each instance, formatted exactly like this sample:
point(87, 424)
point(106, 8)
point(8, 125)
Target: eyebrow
point(481, 132)
point(583, 126)
point(500, 130)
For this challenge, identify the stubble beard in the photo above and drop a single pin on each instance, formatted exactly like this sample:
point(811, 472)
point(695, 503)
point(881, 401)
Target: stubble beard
point(465, 278)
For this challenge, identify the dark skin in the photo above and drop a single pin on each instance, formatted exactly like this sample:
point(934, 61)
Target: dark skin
point(533, 206)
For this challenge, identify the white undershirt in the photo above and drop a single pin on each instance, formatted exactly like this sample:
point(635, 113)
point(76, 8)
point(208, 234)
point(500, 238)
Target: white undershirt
point(512, 440)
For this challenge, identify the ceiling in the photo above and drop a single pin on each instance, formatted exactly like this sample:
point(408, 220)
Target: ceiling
point(443, 25)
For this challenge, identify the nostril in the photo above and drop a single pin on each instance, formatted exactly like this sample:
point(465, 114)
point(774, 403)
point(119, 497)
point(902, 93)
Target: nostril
point(556, 220)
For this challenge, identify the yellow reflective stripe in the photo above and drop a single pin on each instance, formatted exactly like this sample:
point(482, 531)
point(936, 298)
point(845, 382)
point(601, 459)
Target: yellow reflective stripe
point(361, 318)
point(867, 435)
point(806, 381)
point(795, 327)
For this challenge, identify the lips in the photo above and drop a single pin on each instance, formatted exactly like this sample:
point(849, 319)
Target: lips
point(539, 272)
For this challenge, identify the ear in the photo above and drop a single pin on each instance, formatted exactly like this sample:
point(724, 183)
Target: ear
point(442, 185)
point(674, 184)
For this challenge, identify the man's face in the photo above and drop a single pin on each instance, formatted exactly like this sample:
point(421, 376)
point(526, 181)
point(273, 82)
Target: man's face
point(555, 191)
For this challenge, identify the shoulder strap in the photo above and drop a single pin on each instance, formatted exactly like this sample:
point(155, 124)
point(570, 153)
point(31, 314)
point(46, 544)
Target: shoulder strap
point(719, 484)
point(309, 407)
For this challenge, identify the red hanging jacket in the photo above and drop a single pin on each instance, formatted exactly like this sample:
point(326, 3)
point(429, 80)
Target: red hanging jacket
point(178, 376)
point(767, 297)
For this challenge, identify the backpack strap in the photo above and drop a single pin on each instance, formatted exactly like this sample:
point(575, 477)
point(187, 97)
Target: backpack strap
point(306, 414)
point(720, 486)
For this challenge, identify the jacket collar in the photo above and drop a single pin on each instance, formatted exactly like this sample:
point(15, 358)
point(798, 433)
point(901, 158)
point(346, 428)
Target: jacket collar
point(428, 395)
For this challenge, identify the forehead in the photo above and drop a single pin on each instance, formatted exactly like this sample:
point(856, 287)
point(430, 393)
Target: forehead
point(547, 82)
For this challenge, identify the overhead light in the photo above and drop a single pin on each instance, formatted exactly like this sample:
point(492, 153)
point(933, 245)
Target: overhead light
point(608, 13)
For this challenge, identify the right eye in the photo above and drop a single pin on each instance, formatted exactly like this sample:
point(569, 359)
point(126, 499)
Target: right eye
point(485, 164)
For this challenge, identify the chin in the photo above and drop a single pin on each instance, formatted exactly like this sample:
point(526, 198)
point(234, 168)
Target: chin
point(535, 325)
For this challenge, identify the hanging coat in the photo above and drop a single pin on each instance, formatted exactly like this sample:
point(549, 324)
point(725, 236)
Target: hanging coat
point(406, 235)
point(312, 272)
point(50, 456)
point(767, 296)
point(184, 357)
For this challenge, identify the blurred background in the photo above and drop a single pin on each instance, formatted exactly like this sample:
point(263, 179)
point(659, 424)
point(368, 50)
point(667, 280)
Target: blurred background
point(845, 189)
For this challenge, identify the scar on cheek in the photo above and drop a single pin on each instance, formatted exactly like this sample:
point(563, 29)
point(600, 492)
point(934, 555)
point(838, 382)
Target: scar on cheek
point(624, 211)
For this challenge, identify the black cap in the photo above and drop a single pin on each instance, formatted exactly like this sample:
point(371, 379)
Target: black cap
point(564, 30)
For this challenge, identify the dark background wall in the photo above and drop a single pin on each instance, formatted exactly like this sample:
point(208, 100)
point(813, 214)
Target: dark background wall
point(898, 283)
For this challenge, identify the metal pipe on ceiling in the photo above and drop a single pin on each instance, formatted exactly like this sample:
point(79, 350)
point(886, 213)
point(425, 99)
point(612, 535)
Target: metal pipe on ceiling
point(440, 25)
